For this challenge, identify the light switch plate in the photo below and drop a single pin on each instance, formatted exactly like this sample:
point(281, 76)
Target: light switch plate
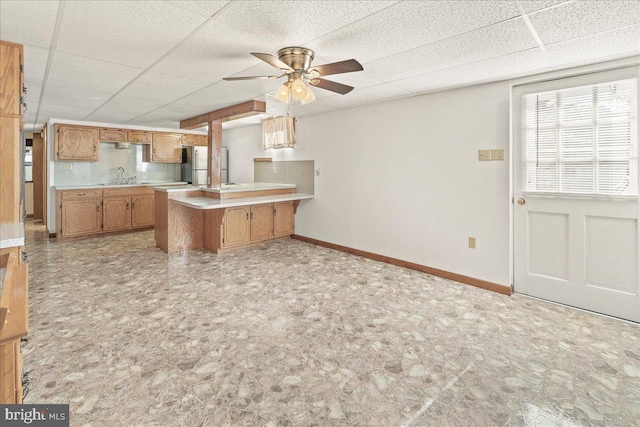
point(497, 154)
point(484, 155)
point(472, 242)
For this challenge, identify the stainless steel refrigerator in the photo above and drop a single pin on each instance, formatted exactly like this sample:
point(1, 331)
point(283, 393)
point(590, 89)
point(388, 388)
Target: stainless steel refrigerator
point(194, 165)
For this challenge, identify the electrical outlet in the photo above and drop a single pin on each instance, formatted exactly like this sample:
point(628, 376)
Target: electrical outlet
point(68, 165)
point(484, 155)
point(472, 242)
point(275, 171)
point(497, 154)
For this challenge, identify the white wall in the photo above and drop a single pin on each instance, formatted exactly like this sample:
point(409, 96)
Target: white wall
point(402, 178)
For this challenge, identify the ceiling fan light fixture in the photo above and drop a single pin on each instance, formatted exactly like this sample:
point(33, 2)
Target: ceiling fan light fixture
point(309, 98)
point(298, 89)
point(283, 93)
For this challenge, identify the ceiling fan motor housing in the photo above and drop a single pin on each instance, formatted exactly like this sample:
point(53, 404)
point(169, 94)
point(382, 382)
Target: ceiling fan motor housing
point(298, 58)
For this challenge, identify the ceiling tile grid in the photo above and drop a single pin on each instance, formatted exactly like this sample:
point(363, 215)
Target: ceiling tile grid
point(580, 18)
point(28, 22)
point(163, 61)
point(496, 40)
point(408, 25)
point(125, 32)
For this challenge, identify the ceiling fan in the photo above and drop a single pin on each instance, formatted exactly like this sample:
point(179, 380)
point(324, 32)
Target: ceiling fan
point(296, 64)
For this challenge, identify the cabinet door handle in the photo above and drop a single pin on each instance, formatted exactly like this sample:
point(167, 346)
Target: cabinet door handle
point(127, 205)
point(98, 208)
point(81, 194)
point(133, 205)
point(247, 215)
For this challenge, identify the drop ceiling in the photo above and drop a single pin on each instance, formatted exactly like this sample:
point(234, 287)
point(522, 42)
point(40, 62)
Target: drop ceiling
point(154, 63)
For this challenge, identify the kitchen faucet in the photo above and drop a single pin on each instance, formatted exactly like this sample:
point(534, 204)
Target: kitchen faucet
point(120, 172)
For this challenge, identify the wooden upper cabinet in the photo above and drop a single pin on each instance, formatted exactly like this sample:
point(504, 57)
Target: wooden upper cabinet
point(261, 222)
point(74, 143)
point(139, 136)
point(11, 80)
point(117, 135)
point(237, 229)
point(283, 219)
point(80, 217)
point(142, 211)
point(188, 139)
point(165, 148)
point(116, 213)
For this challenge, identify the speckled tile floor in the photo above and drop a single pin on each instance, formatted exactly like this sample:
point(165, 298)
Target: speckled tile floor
point(294, 334)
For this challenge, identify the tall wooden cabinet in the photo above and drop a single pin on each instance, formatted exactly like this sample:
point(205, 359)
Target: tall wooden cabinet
point(14, 302)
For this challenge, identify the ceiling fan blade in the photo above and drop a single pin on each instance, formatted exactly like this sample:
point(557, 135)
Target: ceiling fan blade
point(332, 86)
point(230, 79)
point(273, 61)
point(348, 66)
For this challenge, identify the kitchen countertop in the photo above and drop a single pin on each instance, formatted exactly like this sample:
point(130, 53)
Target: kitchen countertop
point(226, 188)
point(209, 203)
point(97, 186)
point(11, 235)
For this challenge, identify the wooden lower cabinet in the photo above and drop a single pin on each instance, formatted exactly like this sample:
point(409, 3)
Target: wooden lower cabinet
point(236, 226)
point(10, 372)
point(90, 212)
point(80, 217)
point(142, 211)
point(116, 213)
point(261, 222)
point(283, 219)
point(245, 225)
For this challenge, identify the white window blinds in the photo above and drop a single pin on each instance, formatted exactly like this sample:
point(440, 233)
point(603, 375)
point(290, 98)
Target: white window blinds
point(582, 140)
point(278, 132)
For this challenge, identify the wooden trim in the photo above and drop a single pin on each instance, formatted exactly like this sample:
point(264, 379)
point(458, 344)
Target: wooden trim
point(103, 234)
point(245, 194)
point(478, 283)
point(238, 111)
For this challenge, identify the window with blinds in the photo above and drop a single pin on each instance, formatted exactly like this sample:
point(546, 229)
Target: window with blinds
point(582, 140)
point(278, 132)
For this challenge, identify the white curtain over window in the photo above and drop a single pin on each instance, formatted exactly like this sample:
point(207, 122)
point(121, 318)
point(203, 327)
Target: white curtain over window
point(278, 132)
point(582, 140)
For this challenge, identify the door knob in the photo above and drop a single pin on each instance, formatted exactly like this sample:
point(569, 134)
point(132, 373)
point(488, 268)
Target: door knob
point(521, 201)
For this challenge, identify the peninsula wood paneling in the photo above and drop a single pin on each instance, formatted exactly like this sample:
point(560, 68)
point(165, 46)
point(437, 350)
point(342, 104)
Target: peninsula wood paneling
point(10, 170)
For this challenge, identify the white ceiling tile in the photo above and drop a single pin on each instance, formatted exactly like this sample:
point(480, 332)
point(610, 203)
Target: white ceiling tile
point(73, 97)
point(89, 74)
point(127, 104)
point(28, 22)
point(35, 63)
point(168, 113)
point(407, 25)
point(504, 67)
point(488, 42)
point(33, 95)
point(580, 18)
point(287, 23)
point(603, 46)
point(116, 117)
point(364, 96)
point(52, 111)
point(135, 33)
point(162, 87)
point(214, 52)
point(531, 6)
point(216, 96)
point(206, 8)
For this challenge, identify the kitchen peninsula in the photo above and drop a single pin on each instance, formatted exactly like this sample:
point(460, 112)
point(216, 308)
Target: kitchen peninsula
point(226, 218)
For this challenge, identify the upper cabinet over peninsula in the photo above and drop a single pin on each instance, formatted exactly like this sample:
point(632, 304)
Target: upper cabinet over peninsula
point(82, 143)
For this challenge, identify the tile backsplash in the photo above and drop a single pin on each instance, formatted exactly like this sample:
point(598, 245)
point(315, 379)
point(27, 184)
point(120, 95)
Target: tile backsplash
point(298, 172)
point(105, 170)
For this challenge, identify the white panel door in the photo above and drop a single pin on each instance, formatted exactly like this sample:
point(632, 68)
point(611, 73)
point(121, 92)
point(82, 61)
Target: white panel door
point(579, 250)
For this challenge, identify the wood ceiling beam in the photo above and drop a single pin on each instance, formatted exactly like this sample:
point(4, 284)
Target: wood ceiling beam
point(238, 111)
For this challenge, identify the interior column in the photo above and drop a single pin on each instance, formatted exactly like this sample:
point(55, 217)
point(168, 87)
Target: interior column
point(214, 142)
